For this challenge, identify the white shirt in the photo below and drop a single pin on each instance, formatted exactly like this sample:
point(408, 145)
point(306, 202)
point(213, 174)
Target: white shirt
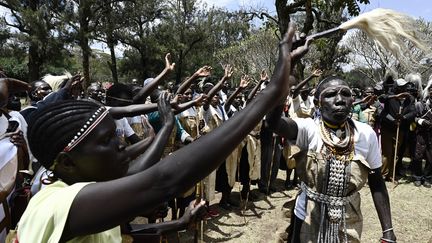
point(123, 129)
point(309, 138)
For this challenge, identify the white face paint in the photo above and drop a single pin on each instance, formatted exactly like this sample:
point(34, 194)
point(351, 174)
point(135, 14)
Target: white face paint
point(4, 124)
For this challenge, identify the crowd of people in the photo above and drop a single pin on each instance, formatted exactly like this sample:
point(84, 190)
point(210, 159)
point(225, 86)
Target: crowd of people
point(92, 160)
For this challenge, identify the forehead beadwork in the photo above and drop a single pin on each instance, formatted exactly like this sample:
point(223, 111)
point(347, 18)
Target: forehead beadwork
point(88, 126)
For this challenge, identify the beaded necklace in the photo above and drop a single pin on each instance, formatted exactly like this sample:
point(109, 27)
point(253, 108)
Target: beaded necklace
point(338, 150)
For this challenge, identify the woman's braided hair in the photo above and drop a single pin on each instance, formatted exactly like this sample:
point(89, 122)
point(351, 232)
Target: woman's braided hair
point(52, 127)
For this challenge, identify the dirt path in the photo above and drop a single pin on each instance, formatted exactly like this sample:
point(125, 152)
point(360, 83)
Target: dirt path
point(411, 211)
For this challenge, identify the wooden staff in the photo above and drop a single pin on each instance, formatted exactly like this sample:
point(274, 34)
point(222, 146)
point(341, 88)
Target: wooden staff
point(199, 227)
point(395, 157)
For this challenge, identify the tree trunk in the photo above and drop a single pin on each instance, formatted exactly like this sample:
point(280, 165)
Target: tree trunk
point(34, 63)
point(113, 63)
point(84, 32)
point(179, 68)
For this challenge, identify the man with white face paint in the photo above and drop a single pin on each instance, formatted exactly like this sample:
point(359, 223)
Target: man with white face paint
point(339, 156)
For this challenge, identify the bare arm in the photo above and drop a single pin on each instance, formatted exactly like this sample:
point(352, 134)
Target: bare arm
point(300, 85)
point(179, 171)
point(264, 77)
point(193, 212)
point(244, 82)
point(154, 152)
point(202, 72)
point(218, 86)
point(146, 90)
point(132, 110)
point(382, 203)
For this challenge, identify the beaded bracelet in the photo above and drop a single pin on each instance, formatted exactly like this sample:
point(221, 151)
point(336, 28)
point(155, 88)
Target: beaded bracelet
point(388, 230)
point(384, 240)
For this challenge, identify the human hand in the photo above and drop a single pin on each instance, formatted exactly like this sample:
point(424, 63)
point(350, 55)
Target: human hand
point(194, 212)
point(244, 81)
point(317, 72)
point(168, 65)
point(264, 76)
point(164, 108)
point(176, 100)
point(297, 43)
point(17, 138)
point(228, 71)
point(200, 100)
point(204, 71)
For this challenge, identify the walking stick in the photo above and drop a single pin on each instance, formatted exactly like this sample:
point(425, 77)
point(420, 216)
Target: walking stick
point(395, 157)
point(274, 141)
point(198, 234)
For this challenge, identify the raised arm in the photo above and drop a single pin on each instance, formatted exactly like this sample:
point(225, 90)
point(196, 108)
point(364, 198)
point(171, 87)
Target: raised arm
point(299, 86)
point(244, 82)
point(146, 90)
point(154, 152)
point(132, 110)
point(282, 126)
point(195, 102)
point(182, 169)
point(264, 77)
point(218, 86)
point(202, 72)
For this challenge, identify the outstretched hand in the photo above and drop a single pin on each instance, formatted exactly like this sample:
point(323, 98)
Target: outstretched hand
point(204, 71)
point(294, 44)
point(164, 108)
point(317, 72)
point(228, 71)
point(194, 212)
point(168, 65)
point(244, 81)
point(264, 76)
point(200, 100)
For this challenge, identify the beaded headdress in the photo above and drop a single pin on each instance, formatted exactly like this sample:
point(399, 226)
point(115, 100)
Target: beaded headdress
point(88, 126)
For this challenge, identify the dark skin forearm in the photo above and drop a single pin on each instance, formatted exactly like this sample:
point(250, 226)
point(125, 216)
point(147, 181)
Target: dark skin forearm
point(139, 147)
point(160, 228)
point(381, 200)
point(186, 84)
point(184, 106)
point(179, 171)
point(282, 126)
point(216, 89)
point(132, 110)
point(231, 98)
point(146, 90)
point(254, 91)
point(136, 110)
point(300, 85)
point(153, 152)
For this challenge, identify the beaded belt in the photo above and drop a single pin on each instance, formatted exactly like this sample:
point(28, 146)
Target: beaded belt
point(323, 198)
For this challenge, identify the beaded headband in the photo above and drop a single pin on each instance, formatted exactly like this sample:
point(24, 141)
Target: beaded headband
point(91, 123)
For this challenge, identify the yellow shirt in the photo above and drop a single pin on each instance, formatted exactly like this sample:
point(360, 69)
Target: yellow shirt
point(46, 215)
